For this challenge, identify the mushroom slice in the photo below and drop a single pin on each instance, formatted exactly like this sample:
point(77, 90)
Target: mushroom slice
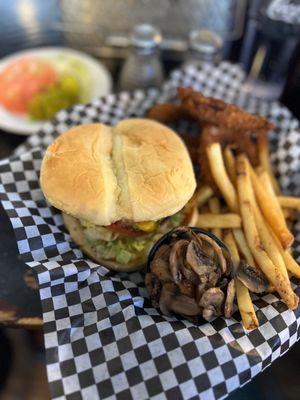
point(200, 289)
point(160, 268)
point(153, 286)
point(162, 252)
point(252, 278)
point(208, 313)
point(148, 283)
point(196, 258)
point(166, 296)
point(176, 259)
point(229, 264)
point(217, 249)
point(189, 274)
point(212, 302)
point(184, 305)
point(203, 266)
point(181, 304)
point(186, 288)
point(222, 284)
point(228, 308)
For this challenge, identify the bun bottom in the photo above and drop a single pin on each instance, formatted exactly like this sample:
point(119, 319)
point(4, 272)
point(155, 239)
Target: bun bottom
point(75, 229)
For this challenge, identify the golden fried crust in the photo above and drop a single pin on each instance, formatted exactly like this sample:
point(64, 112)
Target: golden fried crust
point(139, 170)
point(240, 142)
point(167, 113)
point(217, 112)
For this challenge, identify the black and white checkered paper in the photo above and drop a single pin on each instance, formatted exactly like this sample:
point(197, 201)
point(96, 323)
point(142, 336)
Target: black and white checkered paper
point(103, 337)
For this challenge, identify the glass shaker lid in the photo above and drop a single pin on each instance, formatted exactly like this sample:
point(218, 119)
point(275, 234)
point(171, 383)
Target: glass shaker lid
point(204, 41)
point(145, 36)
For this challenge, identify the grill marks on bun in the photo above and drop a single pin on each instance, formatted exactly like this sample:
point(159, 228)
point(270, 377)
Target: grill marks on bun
point(138, 170)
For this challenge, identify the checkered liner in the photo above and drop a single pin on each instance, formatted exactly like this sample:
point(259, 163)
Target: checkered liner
point(102, 335)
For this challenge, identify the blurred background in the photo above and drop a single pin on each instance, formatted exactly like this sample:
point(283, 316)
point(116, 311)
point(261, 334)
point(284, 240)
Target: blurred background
point(261, 35)
point(138, 43)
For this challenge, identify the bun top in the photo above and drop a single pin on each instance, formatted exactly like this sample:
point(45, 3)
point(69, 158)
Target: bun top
point(138, 170)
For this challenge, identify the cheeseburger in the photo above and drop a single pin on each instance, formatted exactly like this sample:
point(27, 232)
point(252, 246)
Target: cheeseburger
point(119, 188)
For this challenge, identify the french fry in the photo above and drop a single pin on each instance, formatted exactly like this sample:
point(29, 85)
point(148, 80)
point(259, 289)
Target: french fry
point(217, 167)
point(242, 293)
point(214, 207)
point(289, 213)
point(230, 164)
point(264, 158)
point(201, 196)
point(270, 212)
point(271, 289)
point(272, 272)
point(267, 239)
point(289, 202)
point(232, 247)
point(259, 170)
point(266, 181)
point(245, 305)
point(223, 221)
point(243, 246)
point(291, 265)
point(192, 216)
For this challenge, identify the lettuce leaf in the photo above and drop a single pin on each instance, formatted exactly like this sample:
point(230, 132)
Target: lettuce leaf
point(112, 246)
point(122, 249)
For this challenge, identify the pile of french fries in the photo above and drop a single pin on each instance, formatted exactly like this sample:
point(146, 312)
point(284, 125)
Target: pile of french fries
point(253, 219)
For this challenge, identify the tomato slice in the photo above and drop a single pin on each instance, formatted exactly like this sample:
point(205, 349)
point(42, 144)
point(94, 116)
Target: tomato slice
point(20, 80)
point(124, 229)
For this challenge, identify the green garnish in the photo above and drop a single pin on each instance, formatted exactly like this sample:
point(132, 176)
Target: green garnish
point(46, 104)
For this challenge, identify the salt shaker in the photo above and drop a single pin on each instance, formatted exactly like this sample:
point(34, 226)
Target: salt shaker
point(204, 47)
point(142, 68)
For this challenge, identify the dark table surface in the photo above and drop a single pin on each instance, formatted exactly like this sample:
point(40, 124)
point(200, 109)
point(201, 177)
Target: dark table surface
point(19, 298)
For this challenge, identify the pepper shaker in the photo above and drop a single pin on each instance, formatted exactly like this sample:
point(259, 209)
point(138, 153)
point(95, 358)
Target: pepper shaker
point(204, 47)
point(142, 68)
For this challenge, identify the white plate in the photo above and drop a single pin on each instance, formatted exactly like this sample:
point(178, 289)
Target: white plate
point(101, 84)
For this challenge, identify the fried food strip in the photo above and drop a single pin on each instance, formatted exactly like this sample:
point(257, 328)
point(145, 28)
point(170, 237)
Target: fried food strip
point(230, 164)
point(217, 112)
point(222, 221)
point(272, 272)
point(270, 211)
point(289, 202)
point(217, 167)
point(264, 158)
point(244, 301)
point(167, 113)
point(214, 207)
